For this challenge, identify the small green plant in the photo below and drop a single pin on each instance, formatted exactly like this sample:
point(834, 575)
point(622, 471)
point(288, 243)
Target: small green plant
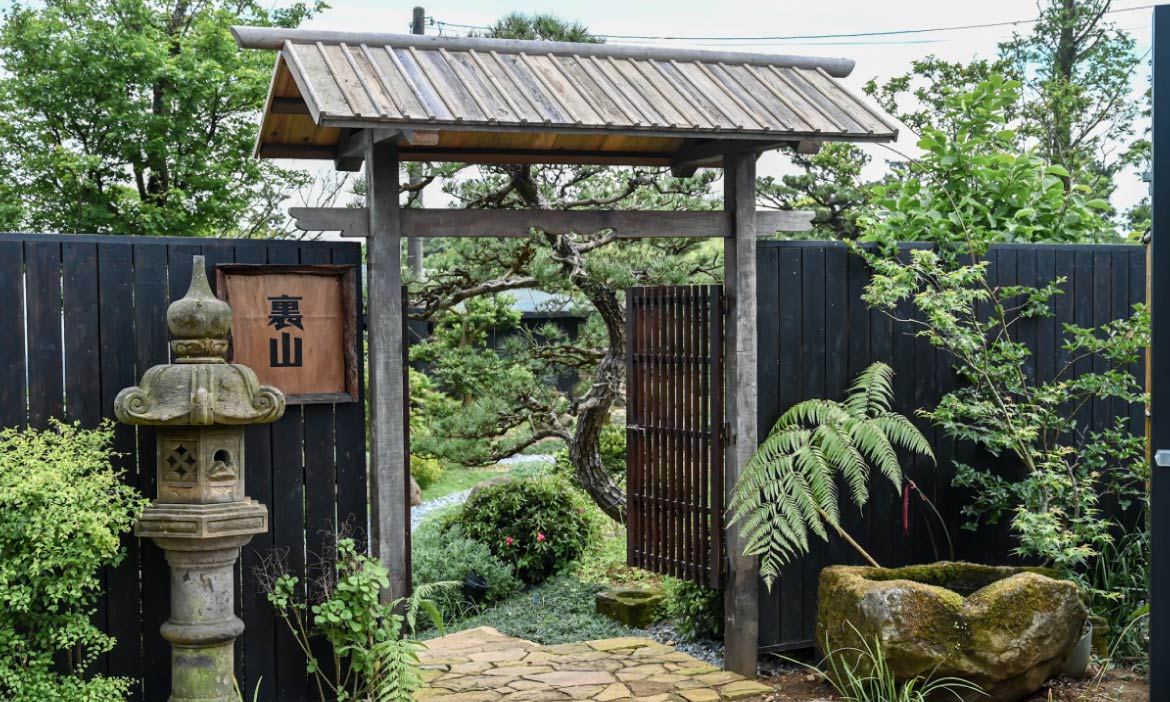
point(370, 657)
point(538, 526)
point(789, 487)
point(63, 509)
point(863, 674)
point(443, 556)
point(696, 610)
point(426, 470)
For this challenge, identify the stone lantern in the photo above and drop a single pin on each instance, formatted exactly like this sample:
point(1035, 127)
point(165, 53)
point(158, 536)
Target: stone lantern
point(201, 516)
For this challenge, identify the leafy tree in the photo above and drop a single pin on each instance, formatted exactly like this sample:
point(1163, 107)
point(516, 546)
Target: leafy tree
point(789, 488)
point(136, 116)
point(918, 97)
point(1077, 69)
point(830, 184)
point(1054, 508)
point(972, 185)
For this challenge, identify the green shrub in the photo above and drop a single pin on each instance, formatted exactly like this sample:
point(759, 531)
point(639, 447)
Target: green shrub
point(438, 556)
point(697, 610)
point(63, 508)
point(539, 526)
point(559, 611)
point(426, 471)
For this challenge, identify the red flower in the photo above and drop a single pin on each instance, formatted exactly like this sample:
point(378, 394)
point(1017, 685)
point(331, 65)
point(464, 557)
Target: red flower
point(539, 536)
point(509, 541)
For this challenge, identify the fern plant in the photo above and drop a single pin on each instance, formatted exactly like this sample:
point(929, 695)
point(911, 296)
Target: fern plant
point(789, 488)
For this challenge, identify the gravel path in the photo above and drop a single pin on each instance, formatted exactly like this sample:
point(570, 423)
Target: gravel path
point(419, 512)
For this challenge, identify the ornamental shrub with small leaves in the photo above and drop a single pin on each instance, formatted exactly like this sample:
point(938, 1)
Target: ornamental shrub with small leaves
point(1001, 407)
point(539, 525)
point(63, 509)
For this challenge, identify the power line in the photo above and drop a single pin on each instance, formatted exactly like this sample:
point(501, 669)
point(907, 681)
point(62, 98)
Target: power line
point(793, 37)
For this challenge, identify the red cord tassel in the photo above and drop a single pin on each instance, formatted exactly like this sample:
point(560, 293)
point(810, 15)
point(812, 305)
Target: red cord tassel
point(906, 510)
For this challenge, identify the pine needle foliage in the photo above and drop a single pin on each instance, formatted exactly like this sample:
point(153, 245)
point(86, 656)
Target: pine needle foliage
point(790, 487)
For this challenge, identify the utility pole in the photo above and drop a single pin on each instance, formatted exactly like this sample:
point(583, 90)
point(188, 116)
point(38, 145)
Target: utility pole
point(414, 244)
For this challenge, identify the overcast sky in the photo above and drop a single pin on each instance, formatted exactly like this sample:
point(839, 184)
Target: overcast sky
point(876, 56)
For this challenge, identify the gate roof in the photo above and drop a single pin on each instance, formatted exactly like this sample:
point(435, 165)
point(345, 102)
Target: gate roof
point(494, 100)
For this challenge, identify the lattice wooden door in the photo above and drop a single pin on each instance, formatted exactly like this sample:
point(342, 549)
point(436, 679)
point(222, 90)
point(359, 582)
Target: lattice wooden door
point(675, 430)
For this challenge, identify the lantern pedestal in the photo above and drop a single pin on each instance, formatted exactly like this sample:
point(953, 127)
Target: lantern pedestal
point(202, 544)
point(201, 516)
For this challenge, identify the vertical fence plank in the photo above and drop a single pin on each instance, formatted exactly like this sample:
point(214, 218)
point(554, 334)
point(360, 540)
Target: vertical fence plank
point(788, 311)
point(259, 622)
point(13, 391)
point(288, 519)
point(632, 445)
point(715, 323)
point(768, 404)
point(813, 339)
point(151, 298)
point(116, 338)
point(43, 305)
point(350, 418)
point(79, 282)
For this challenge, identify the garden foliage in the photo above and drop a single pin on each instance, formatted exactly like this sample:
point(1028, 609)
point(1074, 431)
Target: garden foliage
point(696, 610)
point(425, 470)
point(973, 184)
point(440, 555)
point(369, 657)
point(971, 188)
point(63, 510)
point(789, 487)
point(538, 526)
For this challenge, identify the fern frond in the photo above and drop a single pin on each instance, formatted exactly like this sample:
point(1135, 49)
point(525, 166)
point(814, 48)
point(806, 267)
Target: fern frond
point(811, 413)
point(876, 447)
point(902, 432)
point(789, 487)
point(872, 391)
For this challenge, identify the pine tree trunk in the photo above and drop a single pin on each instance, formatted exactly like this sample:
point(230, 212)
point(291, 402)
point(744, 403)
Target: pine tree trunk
point(593, 409)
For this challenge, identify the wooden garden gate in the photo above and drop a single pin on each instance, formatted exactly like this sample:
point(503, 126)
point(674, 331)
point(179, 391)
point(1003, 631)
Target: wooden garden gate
point(675, 431)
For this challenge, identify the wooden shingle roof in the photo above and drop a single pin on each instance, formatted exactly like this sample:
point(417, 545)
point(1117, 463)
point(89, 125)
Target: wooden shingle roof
point(486, 100)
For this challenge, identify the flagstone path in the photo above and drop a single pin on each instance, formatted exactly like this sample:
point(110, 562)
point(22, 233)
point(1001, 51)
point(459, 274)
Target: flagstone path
point(483, 665)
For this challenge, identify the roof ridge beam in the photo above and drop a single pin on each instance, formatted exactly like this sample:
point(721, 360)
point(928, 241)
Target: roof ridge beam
point(272, 38)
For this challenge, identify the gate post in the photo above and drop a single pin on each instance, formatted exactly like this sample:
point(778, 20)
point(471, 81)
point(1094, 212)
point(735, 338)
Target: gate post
point(741, 596)
point(389, 477)
point(201, 516)
point(1159, 432)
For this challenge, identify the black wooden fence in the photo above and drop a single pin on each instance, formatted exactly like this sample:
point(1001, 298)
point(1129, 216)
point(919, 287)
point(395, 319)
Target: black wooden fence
point(816, 334)
point(81, 317)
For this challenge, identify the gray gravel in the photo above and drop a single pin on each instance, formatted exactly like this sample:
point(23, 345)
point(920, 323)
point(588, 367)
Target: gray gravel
point(711, 650)
point(419, 512)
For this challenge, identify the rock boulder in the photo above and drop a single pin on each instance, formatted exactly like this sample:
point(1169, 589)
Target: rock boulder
point(1006, 629)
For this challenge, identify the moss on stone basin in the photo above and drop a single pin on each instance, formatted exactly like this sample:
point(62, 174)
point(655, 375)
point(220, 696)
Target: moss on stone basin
point(636, 608)
point(1005, 629)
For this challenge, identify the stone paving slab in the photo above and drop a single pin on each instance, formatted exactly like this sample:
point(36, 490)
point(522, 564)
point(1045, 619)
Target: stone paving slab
point(483, 665)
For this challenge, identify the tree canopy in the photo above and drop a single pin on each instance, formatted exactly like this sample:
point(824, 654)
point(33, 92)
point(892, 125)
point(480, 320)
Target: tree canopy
point(136, 117)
